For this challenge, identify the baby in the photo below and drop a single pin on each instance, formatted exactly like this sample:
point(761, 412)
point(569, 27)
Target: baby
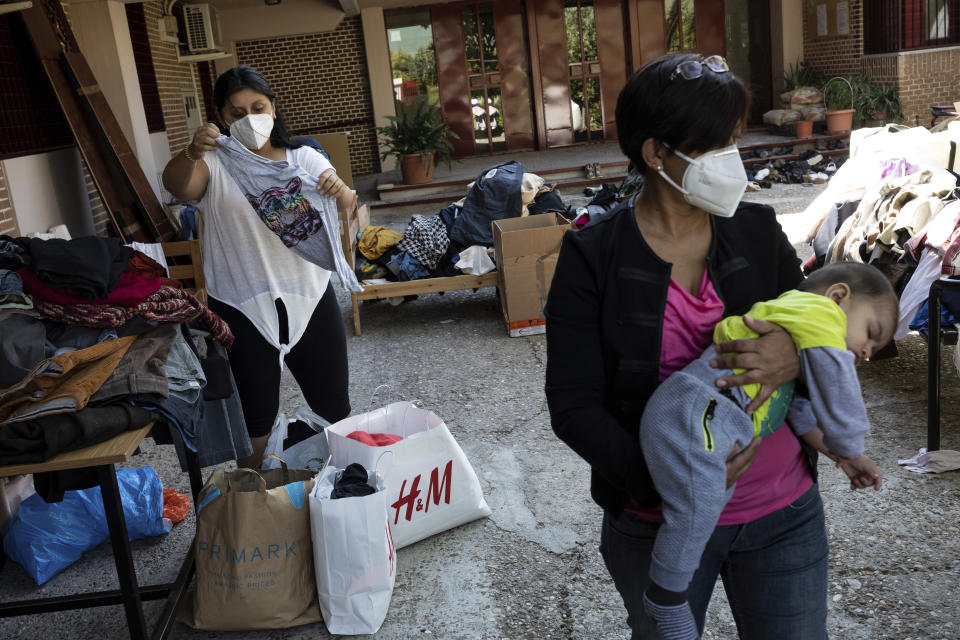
point(839, 317)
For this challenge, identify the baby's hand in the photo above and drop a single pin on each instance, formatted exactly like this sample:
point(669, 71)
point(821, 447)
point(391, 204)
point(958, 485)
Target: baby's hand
point(862, 471)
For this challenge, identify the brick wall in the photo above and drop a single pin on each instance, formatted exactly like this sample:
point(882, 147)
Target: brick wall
point(321, 84)
point(924, 77)
point(172, 77)
point(8, 219)
point(927, 78)
point(881, 68)
point(102, 225)
point(834, 55)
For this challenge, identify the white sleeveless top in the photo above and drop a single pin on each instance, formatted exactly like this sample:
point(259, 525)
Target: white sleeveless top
point(247, 266)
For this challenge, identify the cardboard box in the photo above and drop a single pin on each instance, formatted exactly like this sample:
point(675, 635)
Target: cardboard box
point(527, 250)
point(337, 146)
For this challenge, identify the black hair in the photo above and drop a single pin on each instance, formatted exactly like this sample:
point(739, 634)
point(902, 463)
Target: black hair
point(863, 280)
point(688, 115)
point(244, 77)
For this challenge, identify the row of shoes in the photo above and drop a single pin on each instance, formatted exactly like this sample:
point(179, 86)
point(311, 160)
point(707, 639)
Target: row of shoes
point(763, 154)
point(831, 144)
point(592, 170)
point(794, 171)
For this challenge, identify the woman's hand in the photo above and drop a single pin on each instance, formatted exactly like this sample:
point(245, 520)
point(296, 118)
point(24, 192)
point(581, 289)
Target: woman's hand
point(329, 184)
point(770, 360)
point(205, 139)
point(739, 461)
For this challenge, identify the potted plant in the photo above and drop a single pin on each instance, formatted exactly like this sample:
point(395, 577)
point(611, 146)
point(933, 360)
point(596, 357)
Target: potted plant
point(840, 100)
point(883, 104)
point(419, 138)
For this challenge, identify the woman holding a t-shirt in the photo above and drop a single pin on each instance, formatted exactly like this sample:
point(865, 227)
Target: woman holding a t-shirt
point(274, 301)
point(634, 298)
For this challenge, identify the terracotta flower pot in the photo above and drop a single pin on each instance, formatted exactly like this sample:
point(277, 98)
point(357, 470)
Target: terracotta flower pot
point(804, 128)
point(840, 121)
point(414, 170)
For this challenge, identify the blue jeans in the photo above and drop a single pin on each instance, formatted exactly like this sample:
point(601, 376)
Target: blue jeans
point(774, 571)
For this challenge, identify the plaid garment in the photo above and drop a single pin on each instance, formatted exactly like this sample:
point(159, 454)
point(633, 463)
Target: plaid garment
point(426, 240)
point(168, 304)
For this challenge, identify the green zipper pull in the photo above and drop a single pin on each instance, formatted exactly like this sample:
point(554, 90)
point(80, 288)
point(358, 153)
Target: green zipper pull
point(705, 422)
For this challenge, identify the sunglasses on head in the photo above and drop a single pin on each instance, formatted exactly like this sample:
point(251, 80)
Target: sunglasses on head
point(693, 69)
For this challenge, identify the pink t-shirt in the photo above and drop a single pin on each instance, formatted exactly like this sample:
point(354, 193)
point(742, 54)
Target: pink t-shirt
point(779, 474)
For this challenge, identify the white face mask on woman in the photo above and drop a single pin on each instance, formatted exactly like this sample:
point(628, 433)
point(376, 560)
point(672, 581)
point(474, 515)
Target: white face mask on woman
point(253, 131)
point(714, 182)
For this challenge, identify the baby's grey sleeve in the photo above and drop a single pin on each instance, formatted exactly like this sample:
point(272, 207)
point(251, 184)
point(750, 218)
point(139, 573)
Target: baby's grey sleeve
point(836, 398)
point(800, 416)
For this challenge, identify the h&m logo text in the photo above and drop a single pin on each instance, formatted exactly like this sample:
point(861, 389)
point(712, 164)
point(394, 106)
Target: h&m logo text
point(436, 486)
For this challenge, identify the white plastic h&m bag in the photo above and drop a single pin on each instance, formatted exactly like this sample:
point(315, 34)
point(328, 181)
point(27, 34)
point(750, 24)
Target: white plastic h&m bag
point(354, 558)
point(430, 484)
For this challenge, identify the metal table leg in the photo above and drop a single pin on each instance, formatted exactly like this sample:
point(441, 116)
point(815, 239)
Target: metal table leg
point(126, 572)
point(193, 472)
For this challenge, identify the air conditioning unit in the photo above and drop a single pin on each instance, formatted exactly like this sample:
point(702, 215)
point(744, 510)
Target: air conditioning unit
point(202, 28)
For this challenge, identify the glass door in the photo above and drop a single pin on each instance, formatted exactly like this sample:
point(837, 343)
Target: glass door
point(586, 106)
point(483, 77)
point(412, 60)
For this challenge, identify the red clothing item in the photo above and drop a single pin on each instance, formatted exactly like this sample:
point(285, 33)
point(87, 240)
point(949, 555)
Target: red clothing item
point(175, 505)
point(375, 439)
point(132, 289)
point(145, 265)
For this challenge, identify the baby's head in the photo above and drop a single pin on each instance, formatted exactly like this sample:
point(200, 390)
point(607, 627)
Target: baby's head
point(868, 299)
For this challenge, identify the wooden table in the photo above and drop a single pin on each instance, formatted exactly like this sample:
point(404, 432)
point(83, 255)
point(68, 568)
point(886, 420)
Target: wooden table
point(103, 457)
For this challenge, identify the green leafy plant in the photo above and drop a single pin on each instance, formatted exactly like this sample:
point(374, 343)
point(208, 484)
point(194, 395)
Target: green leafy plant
point(884, 101)
point(802, 74)
point(419, 128)
point(839, 93)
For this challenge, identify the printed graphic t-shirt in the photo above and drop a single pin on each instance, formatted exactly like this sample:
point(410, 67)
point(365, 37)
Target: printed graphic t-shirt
point(247, 266)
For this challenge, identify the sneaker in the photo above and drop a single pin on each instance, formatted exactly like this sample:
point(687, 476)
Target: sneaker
point(819, 177)
point(753, 186)
point(831, 167)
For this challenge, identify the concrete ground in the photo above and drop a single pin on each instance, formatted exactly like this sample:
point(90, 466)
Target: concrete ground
point(532, 569)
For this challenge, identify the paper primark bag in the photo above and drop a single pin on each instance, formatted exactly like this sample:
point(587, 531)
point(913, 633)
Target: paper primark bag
point(430, 484)
point(254, 557)
point(355, 560)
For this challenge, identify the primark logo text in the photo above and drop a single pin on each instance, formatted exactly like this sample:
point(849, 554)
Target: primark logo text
point(247, 554)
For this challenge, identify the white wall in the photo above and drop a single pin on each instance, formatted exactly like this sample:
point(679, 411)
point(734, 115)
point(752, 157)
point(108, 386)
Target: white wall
point(291, 17)
point(48, 189)
point(100, 27)
point(161, 156)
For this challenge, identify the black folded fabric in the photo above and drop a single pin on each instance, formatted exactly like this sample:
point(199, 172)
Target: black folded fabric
point(351, 483)
point(41, 439)
point(217, 372)
point(13, 253)
point(91, 265)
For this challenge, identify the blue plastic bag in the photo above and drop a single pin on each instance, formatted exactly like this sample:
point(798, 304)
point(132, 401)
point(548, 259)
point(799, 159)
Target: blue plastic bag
point(47, 538)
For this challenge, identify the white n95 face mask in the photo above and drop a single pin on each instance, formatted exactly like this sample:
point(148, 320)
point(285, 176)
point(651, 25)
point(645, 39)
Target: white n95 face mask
point(253, 131)
point(714, 182)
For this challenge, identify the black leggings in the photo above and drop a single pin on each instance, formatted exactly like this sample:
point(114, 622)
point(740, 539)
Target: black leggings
point(318, 362)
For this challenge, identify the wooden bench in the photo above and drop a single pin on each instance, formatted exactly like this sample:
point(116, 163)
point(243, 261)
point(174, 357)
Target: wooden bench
point(185, 263)
point(351, 225)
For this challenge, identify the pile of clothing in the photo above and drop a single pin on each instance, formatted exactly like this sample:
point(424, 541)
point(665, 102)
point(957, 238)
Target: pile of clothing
point(898, 212)
point(458, 239)
point(809, 166)
point(95, 340)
